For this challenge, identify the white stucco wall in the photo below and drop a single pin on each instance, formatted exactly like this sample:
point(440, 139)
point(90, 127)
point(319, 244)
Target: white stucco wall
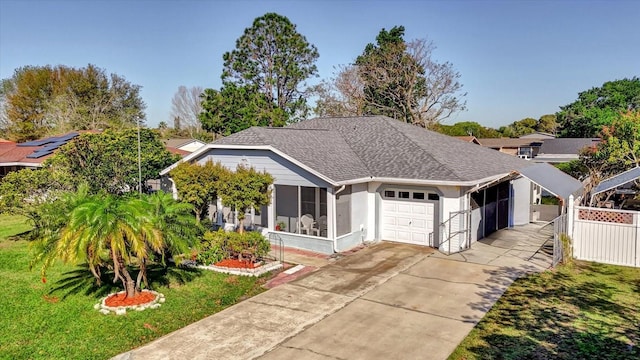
point(451, 202)
point(521, 200)
point(359, 207)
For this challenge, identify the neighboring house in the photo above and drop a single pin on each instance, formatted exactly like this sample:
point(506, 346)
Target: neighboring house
point(520, 147)
point(471, 139)
point(538, 136)
point(564, 149)
point(343, 181)
point(31, 154)
point(177, 151)
point(188, 145)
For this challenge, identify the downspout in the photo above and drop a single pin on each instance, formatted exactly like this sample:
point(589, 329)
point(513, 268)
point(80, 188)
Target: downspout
point(335, 218)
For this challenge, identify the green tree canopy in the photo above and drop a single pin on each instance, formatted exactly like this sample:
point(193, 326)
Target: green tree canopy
point(247, 188)
point(199, 185)
point(598, 107)
point(235, 108)
point(274, 59)
point(41, 100)
point(109, 161)
point(618, 151)
point(466, 128)
point(24, 191)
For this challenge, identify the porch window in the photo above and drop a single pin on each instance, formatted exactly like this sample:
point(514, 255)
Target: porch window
point(301, 210)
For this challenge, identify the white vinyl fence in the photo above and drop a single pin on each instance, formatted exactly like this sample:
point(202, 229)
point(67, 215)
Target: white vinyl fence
point(605, 235)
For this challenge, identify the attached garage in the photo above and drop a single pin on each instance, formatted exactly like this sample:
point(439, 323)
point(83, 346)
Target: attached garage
point(409, 216)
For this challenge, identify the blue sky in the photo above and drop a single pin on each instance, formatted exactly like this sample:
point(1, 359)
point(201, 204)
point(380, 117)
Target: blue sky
point(517, 58)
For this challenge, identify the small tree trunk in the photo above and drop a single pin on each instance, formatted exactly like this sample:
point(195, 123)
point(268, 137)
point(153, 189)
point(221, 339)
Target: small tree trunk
point(241, 225)
point(128, 282)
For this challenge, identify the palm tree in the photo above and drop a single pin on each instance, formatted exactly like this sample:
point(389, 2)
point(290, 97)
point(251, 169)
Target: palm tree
point(118, 232)
point(176, 223)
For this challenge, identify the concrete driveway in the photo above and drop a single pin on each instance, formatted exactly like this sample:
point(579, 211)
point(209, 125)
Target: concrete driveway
point(385, 301)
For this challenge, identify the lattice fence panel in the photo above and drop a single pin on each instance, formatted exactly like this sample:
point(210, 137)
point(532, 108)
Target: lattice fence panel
point(606, 216)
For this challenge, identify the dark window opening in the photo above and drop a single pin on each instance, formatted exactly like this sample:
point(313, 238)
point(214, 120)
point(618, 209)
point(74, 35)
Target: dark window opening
point(418, 196)
point(434, 197)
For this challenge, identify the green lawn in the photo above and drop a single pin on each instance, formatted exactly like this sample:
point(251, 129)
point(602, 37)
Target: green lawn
point(39, 322)
point(579, 311)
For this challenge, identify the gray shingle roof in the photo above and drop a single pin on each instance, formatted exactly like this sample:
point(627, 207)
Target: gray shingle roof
point(389, 148)
point(566, 145)
point(509, 142)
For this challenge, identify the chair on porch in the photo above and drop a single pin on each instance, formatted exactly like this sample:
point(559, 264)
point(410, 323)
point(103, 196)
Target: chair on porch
point(306, 225)
point(322, 225)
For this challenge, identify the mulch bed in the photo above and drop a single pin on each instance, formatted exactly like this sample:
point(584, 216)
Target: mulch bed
point(120, 299)
point(236, 264)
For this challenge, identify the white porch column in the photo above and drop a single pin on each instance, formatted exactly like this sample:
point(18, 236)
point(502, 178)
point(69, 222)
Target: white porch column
point(570, 215)
point(371, 211)
point(271, 209)
point(331, 215)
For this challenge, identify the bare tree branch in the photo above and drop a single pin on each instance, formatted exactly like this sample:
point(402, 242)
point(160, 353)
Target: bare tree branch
point(186, 105)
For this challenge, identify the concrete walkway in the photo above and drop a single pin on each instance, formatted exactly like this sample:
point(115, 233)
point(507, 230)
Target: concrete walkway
point(384, 301)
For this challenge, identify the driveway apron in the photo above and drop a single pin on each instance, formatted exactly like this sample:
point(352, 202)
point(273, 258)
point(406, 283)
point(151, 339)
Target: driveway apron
point(392, 301)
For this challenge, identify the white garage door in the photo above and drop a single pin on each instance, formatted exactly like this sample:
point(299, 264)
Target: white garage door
point(407, 217)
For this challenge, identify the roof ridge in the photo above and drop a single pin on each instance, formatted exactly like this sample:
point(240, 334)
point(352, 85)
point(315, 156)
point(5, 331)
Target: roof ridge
point(419, 146)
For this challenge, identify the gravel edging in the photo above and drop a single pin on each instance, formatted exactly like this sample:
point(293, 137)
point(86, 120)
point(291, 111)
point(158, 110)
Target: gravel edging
point(243, 272)
point(122, 310)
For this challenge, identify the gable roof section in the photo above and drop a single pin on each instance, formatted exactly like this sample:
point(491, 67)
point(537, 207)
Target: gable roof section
point(324, 151)
point(570, 146)
point(618, 180)
point(552, 179)
point(178, 142)
point(469, 138)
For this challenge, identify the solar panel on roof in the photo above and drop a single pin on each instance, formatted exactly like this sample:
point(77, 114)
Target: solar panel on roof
point(68, 137)
point(49, 140)
point(39, 154)
point(54, 145)
point(32, 143)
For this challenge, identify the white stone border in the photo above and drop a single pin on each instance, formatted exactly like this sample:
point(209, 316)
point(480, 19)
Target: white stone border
point(243, 271)
point(122, 310)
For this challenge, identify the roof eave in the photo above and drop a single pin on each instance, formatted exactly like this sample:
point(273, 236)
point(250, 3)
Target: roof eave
point(405, 181)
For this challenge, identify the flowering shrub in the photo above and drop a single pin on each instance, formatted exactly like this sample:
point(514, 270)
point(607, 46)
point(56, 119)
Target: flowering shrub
point(219, 245)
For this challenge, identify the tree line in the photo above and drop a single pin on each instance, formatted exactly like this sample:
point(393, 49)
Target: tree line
point(264, 83)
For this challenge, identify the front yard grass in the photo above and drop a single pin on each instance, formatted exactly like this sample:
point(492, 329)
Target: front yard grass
point(39, 322)
point(578, 311)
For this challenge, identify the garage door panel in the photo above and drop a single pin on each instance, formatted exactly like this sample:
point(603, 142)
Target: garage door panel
point(404, 236)
point(403, 221)
point(420, 209)
point(420, 238)
point(389, 220)
point(388, 234)
point(419, 224)
point(389, 207)
point(408, 221)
